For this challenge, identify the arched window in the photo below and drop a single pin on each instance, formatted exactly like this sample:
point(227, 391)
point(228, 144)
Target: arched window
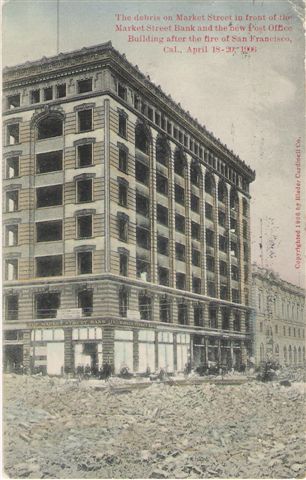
point(50, 126)
point(142, 140)
point(179, 163)
point(221, 192)
point(162, 151)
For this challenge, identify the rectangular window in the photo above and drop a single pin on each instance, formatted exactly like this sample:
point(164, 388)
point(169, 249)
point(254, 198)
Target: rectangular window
point(198, 315)
point(49, 196)
point(142, 205)
point(85, 155)
point(50, 231)
point(162, 245)
point(144, 305)
point(222, 243)
point(195, 203)
point(35, 96)
point(142, 173)
point(11, 269)
point(223, 292)
point(181, 281)
point(162, 214)
point(163, 276)
point(84, 262)
point(221, 218)
point(11, 235)
point(223, 268)
point(85, 120)
point(12, 134)
point(143, 269)
point(182, 314)
point(210, 262)
point(157, 119)
point(161, 184)
point(12, 167)
point(179, 223)
point(11, 307)
point(123, 303)
point(235, 295)
point(85, 302)
point(150, 113)
point(210, 237)
point(234, 249)
point(123, 160)
point(61, 90)
point(47, 304)
point(180, 251)
point(123, 264)
point(84, 226)
point(208, 211)
point(123, 228)
point(49, 162)
point(143, 237)
point(13, 101)
point(164, 310)
point(233, 224)
point(122, 125)
point(84, 191)
point(179, 194)
point(12, 201)
point(196, 257)
point(122, 194)
point(196, 285)
point(84, 85)
point(195, 230)
point(48, 93)
point(211, 289)
point(49, 266)
point(235, 274)
point(122, 91)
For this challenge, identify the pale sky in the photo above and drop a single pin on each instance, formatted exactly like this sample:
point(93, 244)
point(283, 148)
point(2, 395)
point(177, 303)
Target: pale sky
point(253, 103)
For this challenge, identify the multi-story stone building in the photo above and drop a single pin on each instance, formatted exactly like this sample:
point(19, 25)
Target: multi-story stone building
point(279, 308)
point(126, 232)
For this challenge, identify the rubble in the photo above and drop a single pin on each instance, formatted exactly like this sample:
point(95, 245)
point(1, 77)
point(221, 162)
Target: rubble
point(62, 429)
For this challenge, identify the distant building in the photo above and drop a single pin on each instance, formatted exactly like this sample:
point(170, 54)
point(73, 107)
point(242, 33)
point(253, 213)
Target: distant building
point(127, 224)
point(280, 323)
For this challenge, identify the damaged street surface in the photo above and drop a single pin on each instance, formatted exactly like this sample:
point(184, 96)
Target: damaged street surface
point(58, 428)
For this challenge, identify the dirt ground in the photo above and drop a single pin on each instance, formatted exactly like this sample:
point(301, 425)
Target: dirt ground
point(54, 428)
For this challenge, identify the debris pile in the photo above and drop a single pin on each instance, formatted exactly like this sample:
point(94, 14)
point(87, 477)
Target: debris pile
point(56, 428)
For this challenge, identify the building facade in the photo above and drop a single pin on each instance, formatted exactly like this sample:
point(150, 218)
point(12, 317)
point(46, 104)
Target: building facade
point(279, 308)
point(126, 223)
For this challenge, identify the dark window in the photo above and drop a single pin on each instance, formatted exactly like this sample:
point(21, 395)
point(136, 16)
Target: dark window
point(150, 113)
point(11, 235)
point(222, 243)
point(85, 120)
point(209, 185)
point(122, 125)
point(179, 194)
point(12, 134)
point(194, 175)
point(196, 285)
point(212, 314)
point(221, 193)
point(223, 268)
point(223, 292)
point(143, 269)
point(209, 211)
point(84, 226)
point(181, 281)
point(196, 257)
point(121, 91)
point(225, 319)
point(210, 262)
point(163, 276)
point(85, 302)
point(235, 295)
point(164, 310)
point(48, 93)
point(179, 164)
point(233, 224)
point(182, 314)
point(11, 269)
point(142, 205)
point(49, 266)
point(35, 96)
point(141, 139)
point(49, 231)
point(12, 201)
point(85, 85)
point(12, 167)
point(222, 218)
point(49, 196)
point(142, 173)
point(179, 223)
point(237, 322)
point(122, 194)
point(235, 273)
point(209, 237)
point(195, 203)
point(211, 288)
point(198, 315)
point(162, 245)
point(85, 155)
point(195, 230)
point(162, 214)
point(84, 191)
point(123, 264)
point(49, 162)
point(161, 184)
point(144, 302)
point(49, 127)
point(143, 237)
point(162, 151)
point(157, 118)
point(84, 260)
point(47, 304)
point(123, 228)
point(11, 335)
point(11, 305)
point(123, 302)
point(61, 90)
point(245, 208)
point(234, 249)
point(123, 160)
point(180, 251)
point(13, 101)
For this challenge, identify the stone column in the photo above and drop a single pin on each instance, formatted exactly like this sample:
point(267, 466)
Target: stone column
point(216, 229)
point(188, 227)
point(153, 227)
point(203, 231)
point(68, 351)
point(240, 249)
point(228, 239)
point(172, 278)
